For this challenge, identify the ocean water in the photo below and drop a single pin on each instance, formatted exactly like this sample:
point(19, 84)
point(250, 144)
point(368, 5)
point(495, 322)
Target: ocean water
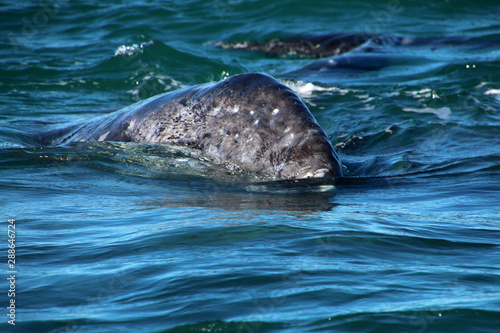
point(147, 238)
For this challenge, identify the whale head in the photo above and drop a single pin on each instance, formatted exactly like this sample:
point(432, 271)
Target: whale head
point(263, 126)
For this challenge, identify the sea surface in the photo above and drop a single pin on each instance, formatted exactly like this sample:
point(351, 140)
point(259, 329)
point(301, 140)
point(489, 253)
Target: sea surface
point(130, 237)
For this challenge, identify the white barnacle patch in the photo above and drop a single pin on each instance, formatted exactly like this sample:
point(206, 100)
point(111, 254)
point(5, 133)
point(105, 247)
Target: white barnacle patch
point(275, 112)
point(236, 108)
point(256, 122)
point(215, 111)
point(103, 137)
point(289, 139)
point(252, 112)
point(288, 129)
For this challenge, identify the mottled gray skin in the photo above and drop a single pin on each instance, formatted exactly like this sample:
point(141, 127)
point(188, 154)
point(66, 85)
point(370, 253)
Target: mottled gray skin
point(314, 45)
point(334, 44)
point(249, 120)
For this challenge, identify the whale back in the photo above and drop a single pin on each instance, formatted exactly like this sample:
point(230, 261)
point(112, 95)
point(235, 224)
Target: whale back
point(251, 121)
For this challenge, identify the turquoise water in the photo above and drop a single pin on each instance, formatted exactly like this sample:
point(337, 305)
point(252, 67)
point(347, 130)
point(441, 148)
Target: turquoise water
point(147, 238)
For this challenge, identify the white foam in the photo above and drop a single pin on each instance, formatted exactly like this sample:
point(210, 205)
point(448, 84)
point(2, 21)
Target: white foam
point(131, 49)
point(442, 113)
point(422, 93)
point(128, 50)
point(494, 92)
point(166, 82)
point(306, 89)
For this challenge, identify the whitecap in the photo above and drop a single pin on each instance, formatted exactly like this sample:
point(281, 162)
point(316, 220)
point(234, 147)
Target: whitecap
point(494, 92)
point(306, 89)
point(131, 49)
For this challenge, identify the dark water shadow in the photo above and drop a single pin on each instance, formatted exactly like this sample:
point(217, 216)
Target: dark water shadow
point(306, 196)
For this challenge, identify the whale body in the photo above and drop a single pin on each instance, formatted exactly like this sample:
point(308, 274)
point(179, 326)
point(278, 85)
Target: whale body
point(250, 121)
point(336, 56)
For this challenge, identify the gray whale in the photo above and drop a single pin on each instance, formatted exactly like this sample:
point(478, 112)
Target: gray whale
point(250, 121)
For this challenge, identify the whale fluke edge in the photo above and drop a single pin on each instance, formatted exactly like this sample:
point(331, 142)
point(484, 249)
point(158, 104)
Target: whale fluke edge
point(250, 121)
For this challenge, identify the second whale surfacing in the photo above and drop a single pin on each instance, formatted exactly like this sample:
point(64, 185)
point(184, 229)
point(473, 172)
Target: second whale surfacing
point(250, 121)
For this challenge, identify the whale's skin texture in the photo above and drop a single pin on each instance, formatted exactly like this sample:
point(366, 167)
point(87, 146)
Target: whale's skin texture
point(309, 45)
point(250, 121)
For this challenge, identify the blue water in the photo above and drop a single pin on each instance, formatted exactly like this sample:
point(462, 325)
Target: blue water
point(146, 238)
